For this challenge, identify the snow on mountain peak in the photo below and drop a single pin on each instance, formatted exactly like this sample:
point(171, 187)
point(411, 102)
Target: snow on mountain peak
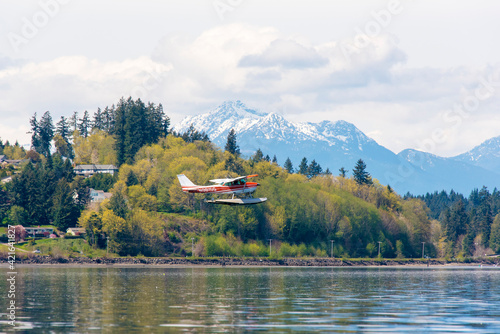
point(236, 115)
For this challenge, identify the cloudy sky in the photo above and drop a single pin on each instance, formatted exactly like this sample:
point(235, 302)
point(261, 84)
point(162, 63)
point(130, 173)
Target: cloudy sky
point(410, 74)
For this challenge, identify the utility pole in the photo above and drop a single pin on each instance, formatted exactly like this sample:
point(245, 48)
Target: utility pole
point(423, 249)
point(379, 242)
point(331, 253)
point(270, 247)
point(192, 247)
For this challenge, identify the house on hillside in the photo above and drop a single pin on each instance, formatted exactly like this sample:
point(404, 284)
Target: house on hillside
point(75, 231)
point(89, 170)
point(39, 232)
point(7, 179)
point(16, 163)
point(99, 195)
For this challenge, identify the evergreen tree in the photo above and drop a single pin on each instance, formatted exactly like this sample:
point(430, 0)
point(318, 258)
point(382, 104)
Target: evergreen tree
point(62, 128)
point(64, 213)
point(108, 119)
point(288, 166)
point(46, 132)
point(482, 217)
point(314, 169)
point(233, 165)
point(267, 158)
point(81, 191)
point(118, 205)
point(62, 144)
point(343, 172)
point(258, 156)
point(327, 171)
point(303, 166)
point(456, 222)
point(191, 135)
point(119, 131)
point(98, 122)
point(35, 134)
point(135, 124)
point(231, 145)
point(361, 176)
point(84, 125)
point(73, 122)
point(165, 121)
point(275, 160)
point(5, 203)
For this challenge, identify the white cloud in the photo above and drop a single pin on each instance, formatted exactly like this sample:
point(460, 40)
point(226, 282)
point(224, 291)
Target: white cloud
point(68, 84)
point(285, 53)
point(371, 86)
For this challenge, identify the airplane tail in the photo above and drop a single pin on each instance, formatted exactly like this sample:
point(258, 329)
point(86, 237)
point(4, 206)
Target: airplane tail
point(184, 181)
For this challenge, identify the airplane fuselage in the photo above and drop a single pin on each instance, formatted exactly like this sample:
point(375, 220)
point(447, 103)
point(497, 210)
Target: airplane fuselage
point(248, 187)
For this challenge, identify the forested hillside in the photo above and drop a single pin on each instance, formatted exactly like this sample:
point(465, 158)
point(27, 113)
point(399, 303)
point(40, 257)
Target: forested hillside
point(471, 225)
point(308, 211)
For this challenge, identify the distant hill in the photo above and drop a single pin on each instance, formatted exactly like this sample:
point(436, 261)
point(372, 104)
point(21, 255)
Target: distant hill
point(340, 144)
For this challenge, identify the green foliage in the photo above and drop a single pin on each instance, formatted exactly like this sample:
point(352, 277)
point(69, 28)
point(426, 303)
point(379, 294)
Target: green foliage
point(136, 125)
point(231, 145)
point(361, 176)
point(101, 181)
point(42, 133)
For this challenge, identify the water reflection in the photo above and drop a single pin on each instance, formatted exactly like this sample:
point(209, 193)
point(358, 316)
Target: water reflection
point(153, 299)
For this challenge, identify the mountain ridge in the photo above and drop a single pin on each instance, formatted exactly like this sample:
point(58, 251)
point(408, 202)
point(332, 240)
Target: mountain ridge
point(336, 144)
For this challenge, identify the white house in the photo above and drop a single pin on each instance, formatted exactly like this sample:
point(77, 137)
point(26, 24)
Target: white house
point(89, 170)
point(76, 231)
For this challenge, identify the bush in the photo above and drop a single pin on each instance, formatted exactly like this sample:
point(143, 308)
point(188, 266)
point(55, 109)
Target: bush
point(286, 250)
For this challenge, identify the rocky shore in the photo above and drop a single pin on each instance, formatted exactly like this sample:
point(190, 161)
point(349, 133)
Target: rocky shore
point(294, 262)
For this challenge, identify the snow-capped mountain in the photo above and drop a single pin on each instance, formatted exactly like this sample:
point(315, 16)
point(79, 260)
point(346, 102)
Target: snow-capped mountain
point(486, 155)
point(440, 173)
point(340, 144)
point(332, 144)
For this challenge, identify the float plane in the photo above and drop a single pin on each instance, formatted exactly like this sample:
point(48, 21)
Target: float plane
point(234, 186)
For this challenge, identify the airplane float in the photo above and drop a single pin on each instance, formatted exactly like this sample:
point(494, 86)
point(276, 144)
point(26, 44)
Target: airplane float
point(235, 186)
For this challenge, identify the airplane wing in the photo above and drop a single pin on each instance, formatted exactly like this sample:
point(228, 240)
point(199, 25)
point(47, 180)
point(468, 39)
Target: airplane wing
point(234, 179)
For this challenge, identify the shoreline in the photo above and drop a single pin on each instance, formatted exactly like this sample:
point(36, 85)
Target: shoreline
point(245, 262)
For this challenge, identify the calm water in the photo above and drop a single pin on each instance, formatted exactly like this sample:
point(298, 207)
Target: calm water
point(277, 300)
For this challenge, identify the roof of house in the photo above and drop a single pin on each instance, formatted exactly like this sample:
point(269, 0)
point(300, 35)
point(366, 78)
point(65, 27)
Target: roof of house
point(96, 167)
point(76, 229)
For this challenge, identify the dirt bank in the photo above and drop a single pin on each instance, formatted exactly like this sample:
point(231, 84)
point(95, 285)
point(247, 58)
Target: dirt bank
point(309, 262)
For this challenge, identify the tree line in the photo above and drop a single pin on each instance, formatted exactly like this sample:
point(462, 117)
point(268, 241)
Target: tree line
point(470, 225)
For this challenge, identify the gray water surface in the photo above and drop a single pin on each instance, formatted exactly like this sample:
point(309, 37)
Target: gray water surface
point(262, 299)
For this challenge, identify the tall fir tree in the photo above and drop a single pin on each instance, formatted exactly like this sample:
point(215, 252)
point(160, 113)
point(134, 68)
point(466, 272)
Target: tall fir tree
point(64, 212)
point(98, 121)
point(314, 169)
point(73, 121)
point(63, 144)
point(85, 125)
point(46, 132)
point(231, 145)
point(119, 131)
point(361, 176)
point(258, 156)
point(288, 166)
point(35, 134)
point(343, 172)
point(303, 166)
